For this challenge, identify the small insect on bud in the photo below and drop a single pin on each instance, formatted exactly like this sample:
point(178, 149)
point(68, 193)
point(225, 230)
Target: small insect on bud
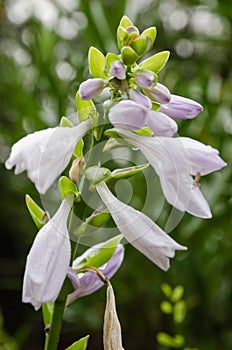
point(74, 170)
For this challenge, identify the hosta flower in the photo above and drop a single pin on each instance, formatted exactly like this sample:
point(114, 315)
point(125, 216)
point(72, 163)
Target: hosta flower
point(88, 282)
point(158, 93)
point(181, 108)
point(48, 260)
point(175, 160)
point(135, 114)
point(46, 153)
point(118, 70)
point(140, 230)
point(144, 78)
point(91, 88)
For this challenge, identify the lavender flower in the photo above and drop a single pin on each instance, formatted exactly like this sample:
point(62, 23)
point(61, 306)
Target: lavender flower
point(118, 70)
point(91, 88)
point(144, 79)
point(181, 108)
point(46, 153)
point(175, 160)
point(140, 230)
point(48, 260)
point(88, 282)
point(158, 93)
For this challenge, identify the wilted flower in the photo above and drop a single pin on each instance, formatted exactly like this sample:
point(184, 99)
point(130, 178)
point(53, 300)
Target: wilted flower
point(48, 260)
point(88, 282)
point(140, 230)
point(175, 160)
point(181, 108)
point(91, 88)
point(46, 153)
point(118, 70)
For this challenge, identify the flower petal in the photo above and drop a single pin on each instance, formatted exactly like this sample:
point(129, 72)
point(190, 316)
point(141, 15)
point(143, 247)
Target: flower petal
point(159, 93)
point(91, 88)
point(118, 70)
point(140, 98)
point(161, 124)
point(181, 108)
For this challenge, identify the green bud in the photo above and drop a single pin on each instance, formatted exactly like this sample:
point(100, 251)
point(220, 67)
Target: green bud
point(125, 22)
point(139, 45)
point(156, 62)
point(97, 219)
point(97, 62)
point(78, 151)
point(166, 289)
point(95, 174)
point(179, 311)
point(129, 56)
point(67, 187)
point(85, 108)
point(124, 173)
point(80, 344)
point(174, 342)
point(177, 293)
point(122, 37)
point(150, 33)
point(64, 122)
point(166, 307)
point(39, 216)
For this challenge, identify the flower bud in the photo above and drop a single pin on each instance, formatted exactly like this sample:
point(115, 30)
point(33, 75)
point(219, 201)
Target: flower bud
point(158, 93)
point(118, 70)
point(74, 170)
point(144, 79)
point(91, 88)
point(181, 108)
point(161, 124)
point(140, 98)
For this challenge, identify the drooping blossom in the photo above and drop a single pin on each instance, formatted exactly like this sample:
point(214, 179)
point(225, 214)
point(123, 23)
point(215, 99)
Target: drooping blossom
point(48, 260)
point(91, 88)
point(46, 153)
point(181, 108)
point(139, 230)
point(175, 160)
point(118, 70)
point(88, 282)
point(137, 113)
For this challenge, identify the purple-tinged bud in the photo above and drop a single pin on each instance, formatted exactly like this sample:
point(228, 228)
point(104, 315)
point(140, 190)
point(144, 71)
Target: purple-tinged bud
point(132, 29)
point(158, 93)
point(91, 88)
point(161, 124)
point(128, 115)
point(118, 70)
point(181, 108)
point(88, 282)
point(144, 79)
point(140, 98)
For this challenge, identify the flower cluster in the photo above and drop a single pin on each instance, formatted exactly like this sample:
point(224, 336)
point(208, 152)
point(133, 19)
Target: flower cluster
point(142, 111)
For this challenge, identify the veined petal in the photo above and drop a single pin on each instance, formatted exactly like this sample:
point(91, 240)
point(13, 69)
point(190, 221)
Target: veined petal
point(88, 282)
point(128, 115)
point(91, 88)
point(140, 230)
point(158, 93)
point(161, 124)
point(46, 153)
point(48, 260)
point(181, 108)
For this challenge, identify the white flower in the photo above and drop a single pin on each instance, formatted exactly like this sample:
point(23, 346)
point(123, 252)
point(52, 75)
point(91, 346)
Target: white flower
point(48, 260)
point(46, 153)
point(140, 230)
point(175, 160)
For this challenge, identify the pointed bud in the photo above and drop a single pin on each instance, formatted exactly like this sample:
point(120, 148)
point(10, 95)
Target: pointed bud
point(161, 124)
point(118, 70)
point(91, 88)
point(144, 79)
point(158, 93)
point(39, 216)
point(181, 108)
point(74, 170)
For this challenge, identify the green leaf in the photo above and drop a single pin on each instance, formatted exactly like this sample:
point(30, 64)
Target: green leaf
point(179, 311)
point(122, 37)
point(100, 255)
point(95, 174)
point(166, 289)
point(166, 307)
point(39, 216)
point(97, 219)
point(125, 173)
point(85, 108)
point(129, 56)
point(47, 310)
point(78, 151)
point(81, 344)
point(125, 22)
point(67, 187)
point(156, 62)
point(166, 340)
point(139, 45)
point(97, 62)
point(64, 122)
point(177, 293)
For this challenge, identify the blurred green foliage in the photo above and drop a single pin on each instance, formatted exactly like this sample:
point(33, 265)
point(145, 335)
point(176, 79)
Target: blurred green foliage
point(44, 47)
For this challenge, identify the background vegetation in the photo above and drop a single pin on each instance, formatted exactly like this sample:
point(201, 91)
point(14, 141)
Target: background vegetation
point(44, 47)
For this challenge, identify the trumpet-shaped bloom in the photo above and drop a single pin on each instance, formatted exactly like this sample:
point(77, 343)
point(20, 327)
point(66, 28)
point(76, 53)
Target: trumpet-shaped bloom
point(48, 260)
point(140, 230)
point(88, 282)
point(135, 114)
point(181, 108)
point(175, 160)
point(46, 153)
